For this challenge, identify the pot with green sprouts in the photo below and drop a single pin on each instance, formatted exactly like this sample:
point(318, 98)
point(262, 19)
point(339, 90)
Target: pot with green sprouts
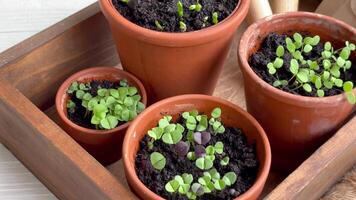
point(192, 155)
point(95, 106)
point(300, 76)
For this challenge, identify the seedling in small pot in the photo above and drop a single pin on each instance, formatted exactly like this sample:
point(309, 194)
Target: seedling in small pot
point(109, 107)
point(318, 75)
point(201, 151)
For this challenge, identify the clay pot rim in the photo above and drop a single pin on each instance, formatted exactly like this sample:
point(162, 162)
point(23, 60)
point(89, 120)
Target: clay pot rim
point(131, 173)
point(64, 86)
point(269, 89)
point(176, 39)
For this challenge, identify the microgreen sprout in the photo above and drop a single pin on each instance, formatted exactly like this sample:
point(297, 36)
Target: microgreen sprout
point(199, 150)
point(158, 25)
point(182, 26)
point(158, 161)
point(215, 17)
point(180, 9)
point(110, 106)
point(318, 75)
point(196, 7)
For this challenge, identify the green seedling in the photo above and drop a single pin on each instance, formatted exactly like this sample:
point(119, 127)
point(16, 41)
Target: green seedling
point(158, 161)
point(180, 9)
point(215, 17)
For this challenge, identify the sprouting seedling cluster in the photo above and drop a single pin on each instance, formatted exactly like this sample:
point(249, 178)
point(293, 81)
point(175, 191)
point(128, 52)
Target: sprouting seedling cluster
point(110, 106)
point(196, 7)
point(323, 73)
point(203, 152)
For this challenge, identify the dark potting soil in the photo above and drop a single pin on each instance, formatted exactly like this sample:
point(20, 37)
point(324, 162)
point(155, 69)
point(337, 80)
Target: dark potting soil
point(79, 116)
point(145, 12)
point(242, 156)
point(267, 53)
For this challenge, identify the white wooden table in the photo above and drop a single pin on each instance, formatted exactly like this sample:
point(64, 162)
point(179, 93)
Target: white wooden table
point(20, 19)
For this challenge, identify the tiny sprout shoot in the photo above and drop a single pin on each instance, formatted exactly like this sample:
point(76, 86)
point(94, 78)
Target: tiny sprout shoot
point(196, 7)
point(182, 26)
point(318, 75)
point(215, 17)
point(158, 161)
point(158, 25)
point(180, 9)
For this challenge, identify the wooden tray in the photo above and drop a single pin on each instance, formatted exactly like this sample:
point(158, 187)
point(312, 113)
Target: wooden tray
point(32, 71)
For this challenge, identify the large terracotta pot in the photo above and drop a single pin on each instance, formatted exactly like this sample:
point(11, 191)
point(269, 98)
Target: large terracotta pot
point(170, 64)
point(104, 145)
point(295, 125)
point(232, 115)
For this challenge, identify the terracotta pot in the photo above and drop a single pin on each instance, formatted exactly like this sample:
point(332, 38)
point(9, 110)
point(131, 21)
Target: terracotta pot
point(104, 145)
point(295, 125)
point(192, 61)
point(232, 115)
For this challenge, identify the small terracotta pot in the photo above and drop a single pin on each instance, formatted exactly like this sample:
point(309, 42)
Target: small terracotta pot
point(170, 64)
point(104, 145)
point(295, 125)
point(232, 115)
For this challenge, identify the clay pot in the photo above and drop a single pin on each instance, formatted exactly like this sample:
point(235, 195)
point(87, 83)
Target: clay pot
point(295, 125)
point(232, 115)
point(170, 64)
point(104, 145)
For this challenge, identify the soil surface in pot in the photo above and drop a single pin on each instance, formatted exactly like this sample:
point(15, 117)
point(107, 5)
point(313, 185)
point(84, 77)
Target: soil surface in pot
point(80, 115)
point(242, 156)
point(149, 14)
point(267, 53)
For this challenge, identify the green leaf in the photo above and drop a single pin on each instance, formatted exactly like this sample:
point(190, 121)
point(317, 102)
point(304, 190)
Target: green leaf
point(73, 87)
point(345, 53)
point(128, 101)
point(105, 124)
point(294, 66)
point(280, 51)
point(307, 48)
point(203, 123)
point(156, 133)
point(327, 46)
point(158, 161)
point(328, 84)
point(210, 150)
point(230, 178)
point(79, 94)
point(225, 161)
point(215, 17)
point(203, 163)
point(302, 76)
point(347, 64)
point(297, 55)
point(100, 111)
point(191, 155)
point(219, 185)
point(290, 45)
point(308, 40)
point(320, 93)
point(183, 189)
point(216, 113)
point(315, 40)
point(158, 25)
point(132, 91)
point(113, 122)
point(180, 8)
point(219, 147)
point(272, 70)
point(162, 123)
point(188, 178)
point(335, 71)
point(348, 86)
point(298, 37)
point(340, 62)
point(197, 189)
point(102, 92)
point(326, 64)
point(318, 83)
point(307, 87)
point(123, 83)
point(172, 186)
point(338, 82)
point(326, 54)
point(278, 63)
point(326, 75)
